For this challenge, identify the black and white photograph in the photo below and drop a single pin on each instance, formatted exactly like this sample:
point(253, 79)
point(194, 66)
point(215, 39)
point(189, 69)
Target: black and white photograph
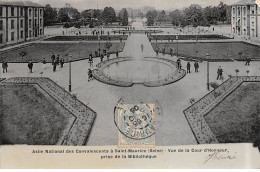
point(129, 73)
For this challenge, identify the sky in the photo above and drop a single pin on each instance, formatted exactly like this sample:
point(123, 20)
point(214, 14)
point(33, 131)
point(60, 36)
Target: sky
point(119, 4)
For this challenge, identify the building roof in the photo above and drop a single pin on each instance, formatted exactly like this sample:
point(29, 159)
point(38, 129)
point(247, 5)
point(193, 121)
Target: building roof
point(245, 2)
point(19, 3)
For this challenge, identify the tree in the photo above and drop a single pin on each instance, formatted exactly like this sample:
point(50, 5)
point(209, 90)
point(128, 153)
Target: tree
point(108, 15)
point(63, 16)
point(77, 25)
point(68, 13)
point(161, 17)
point(150, 15)
point(125, 18)
point(176, 17)
point(49, 15)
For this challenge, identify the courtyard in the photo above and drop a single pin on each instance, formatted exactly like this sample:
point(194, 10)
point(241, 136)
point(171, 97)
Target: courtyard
point(173, 98)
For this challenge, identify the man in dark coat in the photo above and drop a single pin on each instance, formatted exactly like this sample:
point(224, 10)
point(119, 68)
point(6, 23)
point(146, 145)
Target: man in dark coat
point(30, 66)
point(179, 63)
point(54, 66)
point(4, 66)
point(196, 66)
point(248, 60)
point(171, 52)
point(188, 67)
point(61, 62)
point(220, 73)
point(52, 58)
point(117, 54)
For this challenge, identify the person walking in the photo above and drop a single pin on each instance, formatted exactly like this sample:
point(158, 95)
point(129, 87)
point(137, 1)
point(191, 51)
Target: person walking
point(57, 59)
point(62, 62)
point(54, 66)
point(171, 52)
point(30, 66)
point(108, 55)
point(4, 66)
point(101, 57)
point(248, 60)
point(220, 73)
point(196, 66)
point(142, 47)
point(188, 67)
point(43, 63)
point(90, 75)
point(117, 54)
point(52, 58)
point(179, 63)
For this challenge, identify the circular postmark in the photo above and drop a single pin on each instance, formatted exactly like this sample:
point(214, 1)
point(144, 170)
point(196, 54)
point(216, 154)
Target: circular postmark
point(136, 119)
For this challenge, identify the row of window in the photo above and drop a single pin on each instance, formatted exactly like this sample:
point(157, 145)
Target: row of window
point(21, 35)
point(244, 10)
point(21, 24)
point(22, 12)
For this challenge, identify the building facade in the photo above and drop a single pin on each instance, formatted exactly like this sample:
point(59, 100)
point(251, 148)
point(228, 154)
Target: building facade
point(245, 19)
point(20, 21)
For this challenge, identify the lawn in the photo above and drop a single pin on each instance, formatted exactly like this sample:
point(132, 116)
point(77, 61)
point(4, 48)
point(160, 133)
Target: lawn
point(30, 116)
point(219, 51)
point(187, 37)
point(87, 38)
point(237, 118)
point(37, 51)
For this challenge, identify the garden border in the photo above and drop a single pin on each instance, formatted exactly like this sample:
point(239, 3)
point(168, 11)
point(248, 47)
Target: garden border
point(84, 116)
point(195, 113)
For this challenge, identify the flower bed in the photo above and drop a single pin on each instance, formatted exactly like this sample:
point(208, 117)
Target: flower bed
point(37, 51)
point(187, 37)
point(137, 31)
point(219, 51)
point(87, 38)
point(195, 114)
point(80, 130)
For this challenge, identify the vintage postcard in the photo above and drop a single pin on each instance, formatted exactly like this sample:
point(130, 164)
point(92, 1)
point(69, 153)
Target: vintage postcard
point(130, 84)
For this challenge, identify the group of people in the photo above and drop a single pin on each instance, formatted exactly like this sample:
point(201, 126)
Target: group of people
point(55, 60)
point(101, 55)
point(188, 66)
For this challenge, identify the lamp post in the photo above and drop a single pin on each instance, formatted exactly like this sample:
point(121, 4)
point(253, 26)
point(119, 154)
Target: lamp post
point(207, 57)
point(177, 37)
point(70, 73)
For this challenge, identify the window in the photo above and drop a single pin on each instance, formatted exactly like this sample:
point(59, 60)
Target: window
point(30, 33)
point(21, 12)
point(40, 12)
point(30, 23)
point(35, 22)
point(1, 38)
point(252, 10)
point(238, 11)
point(12, 11)
point(1, 25)
point(30, 12)
point(35, 13)
point(12, 24)
point(234, 10)
point(40, 22)
point(40, 31)
point(244, 9)
point(12, 36)
point(1, 11)
point(21, 34)
point(21, 23)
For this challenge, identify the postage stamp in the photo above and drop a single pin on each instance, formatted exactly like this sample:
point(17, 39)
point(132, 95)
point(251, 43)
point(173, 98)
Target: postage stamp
point(136, 125)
